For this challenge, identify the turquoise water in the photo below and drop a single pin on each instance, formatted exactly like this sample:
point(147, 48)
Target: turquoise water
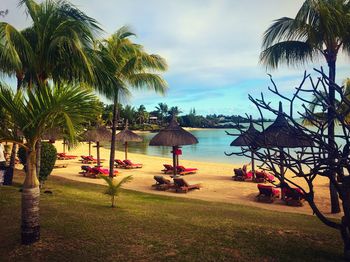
point(211, 147)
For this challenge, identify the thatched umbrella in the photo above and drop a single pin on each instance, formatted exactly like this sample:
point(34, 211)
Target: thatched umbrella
point(173, 135)
point(282, 134)
point(54, 134)
point(97, 135)
point(126, 136)
point(248, 138)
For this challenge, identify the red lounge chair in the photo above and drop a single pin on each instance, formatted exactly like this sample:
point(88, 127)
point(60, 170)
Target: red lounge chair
point(88, 160)
point(293, 196)
point(168, 169)
point(132, 165)
point(181, 170)
point(241, 174)
point(86, 170)
point(64, 156)
point(120, 164)
point(267, 194)
point(263, 176)
point(162, 183)
point(181, 186)
point(102, 171)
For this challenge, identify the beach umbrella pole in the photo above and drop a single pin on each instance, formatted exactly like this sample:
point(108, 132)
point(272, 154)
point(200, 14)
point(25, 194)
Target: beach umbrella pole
point(89, 148)
point(98, 153)
point(126, 150)
point(64, 146)
point(253, 165)
point(174, 161)
point(282, 172)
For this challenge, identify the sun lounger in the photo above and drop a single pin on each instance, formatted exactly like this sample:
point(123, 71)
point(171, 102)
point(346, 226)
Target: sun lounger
point(162, 183)
point(64, 156)
point(120, 164)
point(102, 171)
point(85, 170)
point(60, 165)
point(181, 170)
point(168, 169)
point(181, 186)
point(241, 174)
point(293, 196)
point(132, 165)
point(89, 160)
point(263, 176)
point(267, 194)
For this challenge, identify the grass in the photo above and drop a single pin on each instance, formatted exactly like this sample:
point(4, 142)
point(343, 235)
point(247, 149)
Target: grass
point(77, 224)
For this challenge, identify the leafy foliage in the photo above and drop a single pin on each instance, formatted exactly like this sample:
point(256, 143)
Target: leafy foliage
point(114, 187)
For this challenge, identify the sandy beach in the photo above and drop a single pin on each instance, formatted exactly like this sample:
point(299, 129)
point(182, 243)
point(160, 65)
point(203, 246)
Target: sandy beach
point(215, 178)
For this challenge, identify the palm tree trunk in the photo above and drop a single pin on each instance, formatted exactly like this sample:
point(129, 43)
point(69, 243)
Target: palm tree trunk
point(30, 229)
point(335, 208)
point(9, 172)
point(114, 129)
point(38, 158)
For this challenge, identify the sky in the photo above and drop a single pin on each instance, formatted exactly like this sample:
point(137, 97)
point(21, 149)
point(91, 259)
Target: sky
point(212, 48)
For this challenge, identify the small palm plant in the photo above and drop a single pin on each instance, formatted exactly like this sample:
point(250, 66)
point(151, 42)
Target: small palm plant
point(114, 187)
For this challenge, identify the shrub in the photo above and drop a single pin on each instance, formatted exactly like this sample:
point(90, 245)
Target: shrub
point(48, 158)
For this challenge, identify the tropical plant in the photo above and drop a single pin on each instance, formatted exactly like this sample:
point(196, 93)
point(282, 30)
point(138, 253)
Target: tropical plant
point(114, 187)
point(142, 115)
point(174, 111)
point(33, 113)
point(128, 113)
point(162, 110)
point(130, 66)
point(320, 28)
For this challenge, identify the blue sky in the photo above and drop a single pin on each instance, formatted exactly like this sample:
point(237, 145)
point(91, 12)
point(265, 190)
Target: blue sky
point(212, 48)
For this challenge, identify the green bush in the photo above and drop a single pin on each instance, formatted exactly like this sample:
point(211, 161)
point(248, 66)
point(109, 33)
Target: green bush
point(48, 158)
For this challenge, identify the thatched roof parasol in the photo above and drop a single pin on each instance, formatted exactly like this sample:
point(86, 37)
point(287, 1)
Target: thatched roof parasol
point(97, 135)
point(282, 134)
point(126, 136)
point(52, 134)
point(248, 138)
point(175, 136)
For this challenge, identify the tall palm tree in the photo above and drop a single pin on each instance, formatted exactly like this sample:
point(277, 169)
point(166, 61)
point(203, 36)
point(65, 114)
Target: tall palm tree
point(162, 110)
point(319, 29)
point(142, 114)
point(33, 113)
point(174, 111)
point(58, 46)
point(131, 67)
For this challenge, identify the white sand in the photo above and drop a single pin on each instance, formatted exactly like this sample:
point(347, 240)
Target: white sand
point(215, 178)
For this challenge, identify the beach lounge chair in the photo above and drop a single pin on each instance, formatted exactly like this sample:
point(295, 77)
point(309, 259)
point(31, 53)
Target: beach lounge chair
point(162, 183)
point(241, 174)
point(85, 170)
point(263, 176)
point(293, 196)
point(96, 171)
point(267, 194)
point(181, 186)
point(120, 164)
point(60, 165)
point(88, 160)
point(132, 165)
point(181, 170)
point(168, 169)
point(64, 156)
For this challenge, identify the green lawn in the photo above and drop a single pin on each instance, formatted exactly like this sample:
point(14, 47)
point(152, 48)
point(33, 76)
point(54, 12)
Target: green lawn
point(77, 224)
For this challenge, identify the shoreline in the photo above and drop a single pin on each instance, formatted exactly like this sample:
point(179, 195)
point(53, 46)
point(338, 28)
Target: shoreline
point(218, 185)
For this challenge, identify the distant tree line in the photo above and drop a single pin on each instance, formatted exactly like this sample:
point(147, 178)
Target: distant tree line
point(140, 118)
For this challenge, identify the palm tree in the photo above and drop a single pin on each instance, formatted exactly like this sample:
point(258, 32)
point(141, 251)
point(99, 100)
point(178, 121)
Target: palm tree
point(58, 46)
point(128, 113)
point(142, 115)
point(132, 67)
point(162, 109)
point(113, 189)
point(174, 111)
point(319, 29)
point(33, 113)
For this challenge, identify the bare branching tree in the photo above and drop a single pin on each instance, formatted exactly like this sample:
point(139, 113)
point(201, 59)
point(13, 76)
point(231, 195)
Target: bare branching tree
point(3, 13)
point(310, 162)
